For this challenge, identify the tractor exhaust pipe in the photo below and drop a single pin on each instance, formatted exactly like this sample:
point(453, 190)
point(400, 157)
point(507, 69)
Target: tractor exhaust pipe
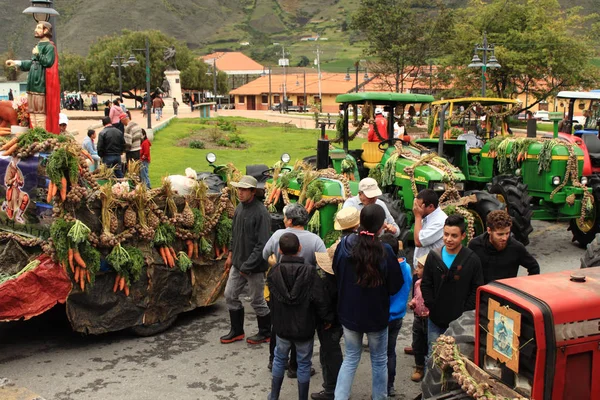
point(440, 150)
point(323, 150)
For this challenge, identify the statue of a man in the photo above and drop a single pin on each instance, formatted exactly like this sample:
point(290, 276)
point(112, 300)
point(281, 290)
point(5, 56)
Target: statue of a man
point(43, 85)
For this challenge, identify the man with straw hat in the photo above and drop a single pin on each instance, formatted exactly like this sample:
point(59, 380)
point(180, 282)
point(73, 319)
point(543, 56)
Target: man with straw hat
point(330, 353)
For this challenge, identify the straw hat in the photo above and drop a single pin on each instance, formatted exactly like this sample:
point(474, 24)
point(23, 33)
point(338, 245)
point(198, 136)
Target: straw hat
point(325, 260)
point(421, 260)
point(346, 218)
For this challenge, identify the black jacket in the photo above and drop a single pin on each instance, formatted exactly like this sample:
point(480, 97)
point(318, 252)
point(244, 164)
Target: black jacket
point(331, 297)
point(449, 292)
point(111, 142)
point(250, 232)
point(297, 297)
point(505, 263)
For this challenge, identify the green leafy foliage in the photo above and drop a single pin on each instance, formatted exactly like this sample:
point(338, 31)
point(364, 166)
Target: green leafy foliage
point(135, 264)
point(164, 235)
point(79, 232)
point(198, 221)
point(224, 229)
point(183, 261)
point(118, 258)
point(59, 232)
point(62, 163)
point(197, 144)
point(91, 256)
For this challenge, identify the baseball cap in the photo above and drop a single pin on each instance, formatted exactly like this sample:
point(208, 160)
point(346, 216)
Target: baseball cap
point(378, 110)
point(247, 182)
point(346, 218)
point(369, 187)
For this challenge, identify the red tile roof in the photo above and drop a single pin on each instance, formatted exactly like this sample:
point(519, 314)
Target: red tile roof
point(232, 61)
point(330, 84)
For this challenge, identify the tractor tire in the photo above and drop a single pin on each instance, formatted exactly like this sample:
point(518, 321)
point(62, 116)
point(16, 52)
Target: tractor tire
point(463, 332)
point(485, 204)
point(395, 209)
point(584, 236)
point(154, 329)
point(591, 257)
point(518, 205)
point(213, 181)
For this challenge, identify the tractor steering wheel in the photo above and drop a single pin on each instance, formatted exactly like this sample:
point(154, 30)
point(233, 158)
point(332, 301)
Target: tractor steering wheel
point(269, 172)
point(384, 145)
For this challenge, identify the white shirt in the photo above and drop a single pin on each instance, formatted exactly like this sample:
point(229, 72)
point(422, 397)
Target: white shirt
point(431, 235)
point(355, 202)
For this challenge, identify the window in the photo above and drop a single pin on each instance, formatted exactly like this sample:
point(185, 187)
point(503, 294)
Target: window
point(242, 99)
point(316, 99)
point(265, 99)
point(276, 99)
point(543, 106)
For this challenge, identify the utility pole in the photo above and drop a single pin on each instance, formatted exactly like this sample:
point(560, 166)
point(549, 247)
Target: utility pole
point(318, 63)
point(148, 106)
point(215, 81)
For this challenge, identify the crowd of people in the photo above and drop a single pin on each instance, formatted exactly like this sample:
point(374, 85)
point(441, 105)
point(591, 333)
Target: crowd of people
point(358, 287)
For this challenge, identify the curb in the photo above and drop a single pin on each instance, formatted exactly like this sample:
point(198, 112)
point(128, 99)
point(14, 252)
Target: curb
point(9, 391)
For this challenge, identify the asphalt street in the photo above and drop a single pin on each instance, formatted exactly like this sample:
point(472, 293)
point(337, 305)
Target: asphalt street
point(44, 356)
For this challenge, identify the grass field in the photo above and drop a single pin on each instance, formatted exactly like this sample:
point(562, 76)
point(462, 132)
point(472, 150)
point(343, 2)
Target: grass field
point(267, 141)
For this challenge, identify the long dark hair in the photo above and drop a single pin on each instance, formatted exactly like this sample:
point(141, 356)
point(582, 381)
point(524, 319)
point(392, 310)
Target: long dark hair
point(368, 251)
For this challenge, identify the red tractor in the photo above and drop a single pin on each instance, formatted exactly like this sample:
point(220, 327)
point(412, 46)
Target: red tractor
point(538, 336)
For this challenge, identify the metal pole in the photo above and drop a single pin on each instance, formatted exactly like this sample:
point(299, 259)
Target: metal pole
point(79, 82)
point(284, 80)
point(120, 80)
point(319, 76)
point(270, 94)
point(483, 68)
point(215, 81)
point(304, 98)
point(356, 68)
point(148, 107)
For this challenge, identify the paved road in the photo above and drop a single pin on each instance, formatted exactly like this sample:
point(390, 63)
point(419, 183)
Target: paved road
point(188, 362)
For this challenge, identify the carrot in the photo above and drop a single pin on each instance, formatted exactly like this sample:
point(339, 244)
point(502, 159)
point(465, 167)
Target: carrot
point(309, 204)
point(277, 195)
point(78, 259)
point(172, 251)
point(71, 259)
point(63, 188)
point(116, 285)
point(49, 195)
point(87, 155)
point(88, 276)
point(190, 248)
point(169, 258)
point(82, 283)
point(217, 252)
point(196, 250)
point(54, 189)
point(76, 277)
point(9, 144)
point(270, 198)
point(122, 283)
point(11, 149)
point(162, 254)
point(126, 290)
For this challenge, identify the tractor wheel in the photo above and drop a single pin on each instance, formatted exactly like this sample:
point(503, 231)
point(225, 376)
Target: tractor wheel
point(518, 205)
point(485, 204)
point(591, 257)
point(463, 332)
point(585, 232)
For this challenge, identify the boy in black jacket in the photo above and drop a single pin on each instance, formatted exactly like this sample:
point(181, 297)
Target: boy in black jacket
point(297, 296)
point(451, 277)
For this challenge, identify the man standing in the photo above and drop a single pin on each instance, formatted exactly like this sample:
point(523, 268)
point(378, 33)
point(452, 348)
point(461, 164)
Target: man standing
point(368, 191)
point(94, 102)
point(158, 104)
point(500, 254)
point(378, 130)
point(11, 97)
point(250, 232)
point(429, 223)
point(133, 138)
point(111, 145)
point(451, 276)
point(43, 85)
point(175, 106)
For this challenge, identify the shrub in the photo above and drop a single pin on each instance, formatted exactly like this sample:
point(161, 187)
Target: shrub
point(236, 140)
point(227, 126)
point(196, 144)
point(222, 142)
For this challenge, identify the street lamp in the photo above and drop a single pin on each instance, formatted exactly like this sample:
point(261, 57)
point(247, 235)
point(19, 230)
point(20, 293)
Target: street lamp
point(133, 61)
point(476, 62)
point(283, 62)
point(214, 74)
point(80, 78)
point(357, 70)
point(298, 84)
point(42, 10)
point(118, 62)
point(264, 74)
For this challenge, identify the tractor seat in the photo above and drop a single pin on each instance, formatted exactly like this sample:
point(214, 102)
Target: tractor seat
point(593, 146)
point(371, 155)
point(474, 150)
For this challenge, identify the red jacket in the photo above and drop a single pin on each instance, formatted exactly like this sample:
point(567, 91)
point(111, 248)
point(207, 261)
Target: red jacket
point(381, 123)
point(145, 150)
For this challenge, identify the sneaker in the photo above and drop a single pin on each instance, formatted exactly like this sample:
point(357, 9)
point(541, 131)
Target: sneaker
point(391, 392)
point(417, 375)
point(322, 395)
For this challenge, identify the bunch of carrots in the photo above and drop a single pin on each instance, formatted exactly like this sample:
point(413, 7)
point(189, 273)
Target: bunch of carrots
point(310, 204)
point(168, 255)
point(10, 147)
point(4, 131)
point(221, 251)
point(53, 189)
point(274, 195)
point(192, 248)
point(349, 176)
point(121, 284)
point(78, 268)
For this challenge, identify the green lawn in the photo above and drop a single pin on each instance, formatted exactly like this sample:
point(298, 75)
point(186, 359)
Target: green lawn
point(267, 142)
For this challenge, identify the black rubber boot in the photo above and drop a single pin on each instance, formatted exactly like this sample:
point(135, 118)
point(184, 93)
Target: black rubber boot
point(303, 390)
point(237, 327)
point(275, 388)
point(264, 331)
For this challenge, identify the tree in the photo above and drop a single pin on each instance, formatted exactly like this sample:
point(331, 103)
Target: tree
point(10, 73)
point(69, 65)
point(304, 61)
point(401, 35)
point(535, 43)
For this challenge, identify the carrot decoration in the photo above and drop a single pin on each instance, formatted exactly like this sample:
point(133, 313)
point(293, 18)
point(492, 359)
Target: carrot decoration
point(63, 188)
point(116, 285)
point(172, 251)
point(162, 254)
point(11, 149)
point(196, 250)
point(9, 144)
point(70, 253)
point(122, 283)
point(126, 290)
point(190, 248)
point(78, 259)
point(49, 195)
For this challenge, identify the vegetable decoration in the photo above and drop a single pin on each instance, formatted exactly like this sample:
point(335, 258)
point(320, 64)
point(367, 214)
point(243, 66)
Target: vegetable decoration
point(314, 193)
point(164, 236)
point(348, 167)
point(183, 262)
point(224, 229)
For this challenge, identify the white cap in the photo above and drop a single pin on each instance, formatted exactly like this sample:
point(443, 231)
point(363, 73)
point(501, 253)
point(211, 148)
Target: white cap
point(63, 119)
point(369, 188)
point(378, 110)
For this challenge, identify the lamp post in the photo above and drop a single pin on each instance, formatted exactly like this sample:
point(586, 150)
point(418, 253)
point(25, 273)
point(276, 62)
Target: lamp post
point(134, 61)
point(318, 64)
point(42, 10)
point(283, 62)
point(263, 74)
point(298, 84)
point(214, 74)
point(476, 62)
point(357, 70)
point(80, 78)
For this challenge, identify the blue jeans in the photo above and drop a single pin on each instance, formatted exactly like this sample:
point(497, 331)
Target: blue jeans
point(377, 348)
point(433, 333)
point(158, 112)
point(144, 174)
point(304, 356)
point(114, 160)
point(393, 331)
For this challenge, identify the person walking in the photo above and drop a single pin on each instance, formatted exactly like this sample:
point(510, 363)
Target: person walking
point(89, 146)
point(501, 254)
point(94, 102)
point(420, 321)
point(298, 296)
point(250, 232)
point(175, 106)
point(367, 275)
point(145, 158)
point(11, 96)
point(397, 311)
point(451, 276)
point(133, 138)
point(158, 104)
point(111, 145)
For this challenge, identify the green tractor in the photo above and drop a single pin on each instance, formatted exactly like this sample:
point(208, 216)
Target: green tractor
point(401, 167)
point(537, 178)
